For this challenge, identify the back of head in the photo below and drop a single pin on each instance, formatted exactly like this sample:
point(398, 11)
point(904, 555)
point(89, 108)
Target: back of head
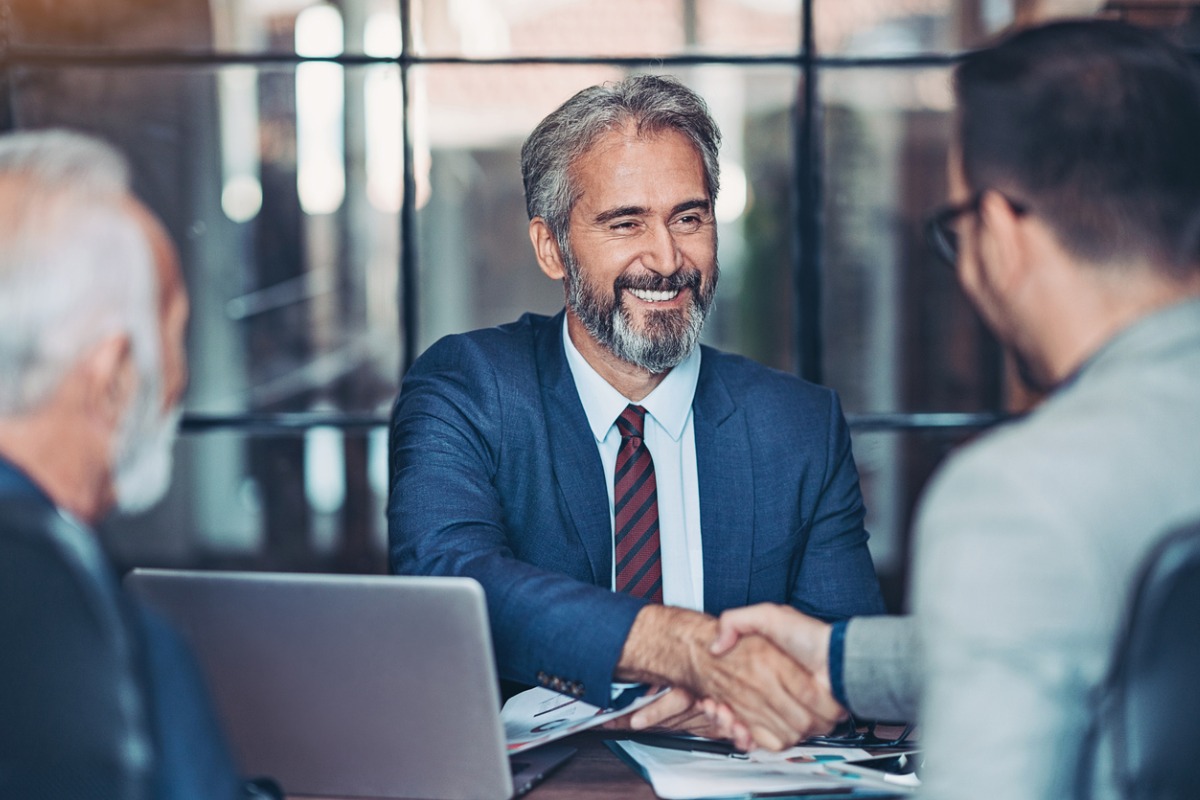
point(74, 264)
point(652, 103)
point(1093, 124)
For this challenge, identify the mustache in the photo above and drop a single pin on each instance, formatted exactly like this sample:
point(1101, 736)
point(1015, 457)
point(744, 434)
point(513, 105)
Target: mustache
point(689, 279)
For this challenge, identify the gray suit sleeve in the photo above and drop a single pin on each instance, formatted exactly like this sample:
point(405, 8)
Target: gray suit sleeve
point(881, 668)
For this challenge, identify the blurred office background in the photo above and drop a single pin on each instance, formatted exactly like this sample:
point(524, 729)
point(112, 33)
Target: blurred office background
point(342, 178)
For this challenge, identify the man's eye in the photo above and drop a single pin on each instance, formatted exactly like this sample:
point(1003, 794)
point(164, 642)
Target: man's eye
point(624, 225)
point(689, 222)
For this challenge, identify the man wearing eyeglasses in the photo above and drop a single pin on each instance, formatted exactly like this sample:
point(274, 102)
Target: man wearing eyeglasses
point(1075, 232)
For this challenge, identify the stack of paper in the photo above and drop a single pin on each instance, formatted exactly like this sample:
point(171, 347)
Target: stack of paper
point(679, 774)
point(537, 716)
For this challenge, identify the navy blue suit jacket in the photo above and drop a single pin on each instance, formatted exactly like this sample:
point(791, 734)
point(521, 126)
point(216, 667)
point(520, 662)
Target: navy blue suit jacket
point(496, 476)
point(69, 639)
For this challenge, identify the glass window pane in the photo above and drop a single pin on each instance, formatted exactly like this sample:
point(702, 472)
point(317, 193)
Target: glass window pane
point(282, 188)
point(305, 27)
point(476, 263)
point(881, 28)
point(612, 28)
point(893, 468)
point(886, 28)
point(313, 502)
point(523, 28)
point(748, 27)
point(898, 333)
point(754, 311)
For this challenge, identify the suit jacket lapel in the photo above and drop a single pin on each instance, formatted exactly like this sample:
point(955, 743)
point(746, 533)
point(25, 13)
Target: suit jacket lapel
point(577, 466)
point(726, 477)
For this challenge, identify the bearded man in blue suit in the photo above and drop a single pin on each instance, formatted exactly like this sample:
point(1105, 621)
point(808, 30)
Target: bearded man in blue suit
point(507, 453)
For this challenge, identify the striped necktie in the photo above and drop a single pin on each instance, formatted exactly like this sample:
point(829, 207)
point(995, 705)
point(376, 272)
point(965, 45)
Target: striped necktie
point(635, 511)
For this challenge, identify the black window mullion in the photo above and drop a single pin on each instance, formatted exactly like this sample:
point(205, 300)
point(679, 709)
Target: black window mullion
point(806, 245)
point(407, 285)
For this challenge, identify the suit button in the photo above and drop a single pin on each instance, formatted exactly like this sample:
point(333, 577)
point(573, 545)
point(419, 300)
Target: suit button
point(543, 678)
point(556, 684)
point(577, 689)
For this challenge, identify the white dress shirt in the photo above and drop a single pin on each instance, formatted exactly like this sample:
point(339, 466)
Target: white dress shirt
point(670, 437)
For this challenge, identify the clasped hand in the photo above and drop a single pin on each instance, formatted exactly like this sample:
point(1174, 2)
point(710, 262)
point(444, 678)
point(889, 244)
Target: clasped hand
point(757, 676)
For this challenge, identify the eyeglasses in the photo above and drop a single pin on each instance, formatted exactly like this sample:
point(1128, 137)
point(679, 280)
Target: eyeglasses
point(941, 228)
point(851, 733)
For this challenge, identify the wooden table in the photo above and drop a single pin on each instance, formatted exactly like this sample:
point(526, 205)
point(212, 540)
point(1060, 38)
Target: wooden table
point(593, 773)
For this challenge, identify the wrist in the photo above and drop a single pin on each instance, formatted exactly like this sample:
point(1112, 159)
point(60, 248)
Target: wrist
point(665, 646)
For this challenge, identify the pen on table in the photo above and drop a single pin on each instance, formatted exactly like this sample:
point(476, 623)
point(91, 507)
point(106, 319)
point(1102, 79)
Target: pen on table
point(691, 745)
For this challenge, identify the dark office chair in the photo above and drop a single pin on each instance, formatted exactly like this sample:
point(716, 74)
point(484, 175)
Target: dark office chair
point(1151, 701)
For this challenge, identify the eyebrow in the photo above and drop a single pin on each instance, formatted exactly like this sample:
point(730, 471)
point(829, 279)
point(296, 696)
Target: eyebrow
point(691, 205)
point(621, 211)
point(641, 211)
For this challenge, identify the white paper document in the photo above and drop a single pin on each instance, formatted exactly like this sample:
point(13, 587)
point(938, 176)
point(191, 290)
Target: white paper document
point(537, 716)
point(687, 775)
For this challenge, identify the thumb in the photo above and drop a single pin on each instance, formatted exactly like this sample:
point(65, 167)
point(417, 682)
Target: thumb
point(733, 624)
point(727, 637)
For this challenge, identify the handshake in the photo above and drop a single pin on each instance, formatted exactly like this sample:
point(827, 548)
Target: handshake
point(758, 675)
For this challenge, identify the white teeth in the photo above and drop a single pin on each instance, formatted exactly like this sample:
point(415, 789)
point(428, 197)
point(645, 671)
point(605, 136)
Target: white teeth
point(653, 297)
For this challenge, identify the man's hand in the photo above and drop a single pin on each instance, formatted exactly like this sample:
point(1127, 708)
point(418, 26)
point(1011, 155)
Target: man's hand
point(799, 636)
point(802, 637)
point(677, 710)
point(778, 703)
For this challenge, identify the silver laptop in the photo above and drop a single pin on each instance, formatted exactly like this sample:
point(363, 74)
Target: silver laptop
point(351, 686)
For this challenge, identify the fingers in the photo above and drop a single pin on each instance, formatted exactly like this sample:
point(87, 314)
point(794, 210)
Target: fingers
point(725, 725)
point(698, 725)
point(670, 710)
point(739, 621)
point(775, 700)
point(748, 680)
point(803, 638)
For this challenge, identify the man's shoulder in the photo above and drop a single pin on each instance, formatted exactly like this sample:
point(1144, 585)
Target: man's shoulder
point(747, 380)
point(513, 340)
point(1092, 457)
point(27, 519)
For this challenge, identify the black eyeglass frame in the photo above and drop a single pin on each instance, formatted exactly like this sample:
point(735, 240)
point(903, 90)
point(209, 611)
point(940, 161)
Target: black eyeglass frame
point(847, 734)
point(939, 226)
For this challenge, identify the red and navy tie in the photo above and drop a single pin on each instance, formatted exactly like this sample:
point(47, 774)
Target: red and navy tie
point(635, 511)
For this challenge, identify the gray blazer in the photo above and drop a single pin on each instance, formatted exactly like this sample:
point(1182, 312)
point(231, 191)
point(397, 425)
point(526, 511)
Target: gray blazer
point(1027, 545)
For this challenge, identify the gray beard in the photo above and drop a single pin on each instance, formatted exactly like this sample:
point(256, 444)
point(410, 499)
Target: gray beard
point(670, 336)
point(143, 451)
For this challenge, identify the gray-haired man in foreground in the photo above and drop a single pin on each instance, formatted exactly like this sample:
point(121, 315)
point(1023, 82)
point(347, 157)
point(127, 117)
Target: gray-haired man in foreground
point(97, 698)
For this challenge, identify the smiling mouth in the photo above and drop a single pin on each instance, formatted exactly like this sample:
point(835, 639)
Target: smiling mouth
point(653, 296)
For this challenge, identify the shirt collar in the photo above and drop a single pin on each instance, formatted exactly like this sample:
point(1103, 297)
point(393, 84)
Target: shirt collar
point(670, 404)
point(14, 481)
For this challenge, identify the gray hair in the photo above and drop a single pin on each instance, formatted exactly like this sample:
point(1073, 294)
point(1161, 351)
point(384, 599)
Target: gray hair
point(653, 103)
point(75, 265)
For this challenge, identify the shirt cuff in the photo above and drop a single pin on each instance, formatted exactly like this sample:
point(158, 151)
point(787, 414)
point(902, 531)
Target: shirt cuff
point(837, 652)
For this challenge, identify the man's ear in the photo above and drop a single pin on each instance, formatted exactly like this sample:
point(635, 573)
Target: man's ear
point(545, 247)
point(1003, 242)
point(110, 379)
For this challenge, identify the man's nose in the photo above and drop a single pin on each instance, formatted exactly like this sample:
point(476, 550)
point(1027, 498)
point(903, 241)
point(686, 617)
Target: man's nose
point(663, 254)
